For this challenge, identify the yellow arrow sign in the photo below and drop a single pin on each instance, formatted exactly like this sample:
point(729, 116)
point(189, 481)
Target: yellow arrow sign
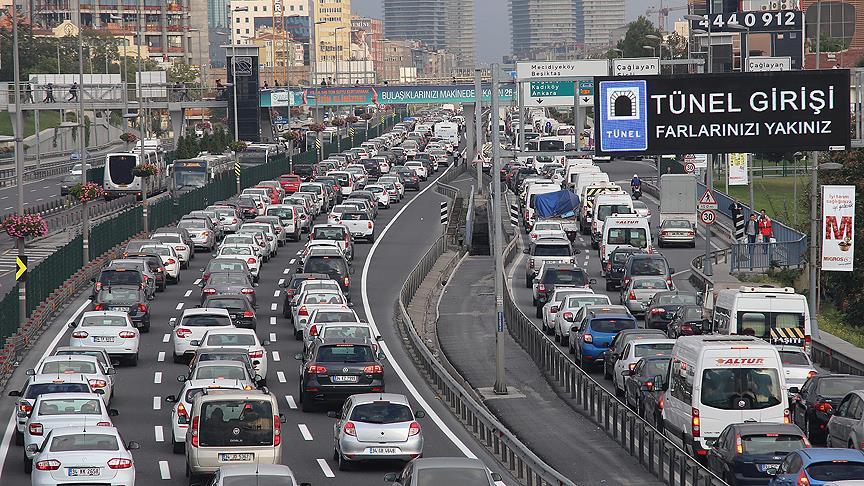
point(21, 273)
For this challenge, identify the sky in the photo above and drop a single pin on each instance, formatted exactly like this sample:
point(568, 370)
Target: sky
point(493, 29)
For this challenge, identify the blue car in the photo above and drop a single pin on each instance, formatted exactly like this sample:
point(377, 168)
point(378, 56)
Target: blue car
point(599, 324)
point(816, 467)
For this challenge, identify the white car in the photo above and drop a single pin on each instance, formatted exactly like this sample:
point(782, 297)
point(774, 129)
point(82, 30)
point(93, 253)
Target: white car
point(183, 405)
point(261, 197)
point(44, 385)
point(418, 169)
point(335, 214)
point(276, 224)
point(184, 252)
point(321, 243)
point(170, 260)
point(632, 353)
point(641, 209)
point(547, 229)
point(797, 365)
point(89, 454)
point(321, 316)
point(61, 410)
point(289, 219)
point(237, 338)
point(308, 301)
point(359, 224)
point(99, 377)
point(553, 303)
point(243, 252)
point(567, 310)
point(248, 239)
point(269, 233)
point(381, 195)
point(192, 326)
point(395, 181)
point(109, 330)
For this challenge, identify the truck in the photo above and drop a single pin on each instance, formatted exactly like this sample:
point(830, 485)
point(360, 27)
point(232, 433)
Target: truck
point(561, 207)
point(678, 197)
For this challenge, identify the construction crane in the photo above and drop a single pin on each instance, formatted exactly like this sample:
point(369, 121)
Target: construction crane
point(663, 12)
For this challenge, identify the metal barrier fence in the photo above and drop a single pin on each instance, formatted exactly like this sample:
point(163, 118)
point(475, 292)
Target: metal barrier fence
point(640, 439)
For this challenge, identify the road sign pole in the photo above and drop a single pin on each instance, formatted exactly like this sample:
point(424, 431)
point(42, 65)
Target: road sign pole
point(707, 269)
point(19, 156)
point(500, 387)
point(521, 139)
point(478, 127)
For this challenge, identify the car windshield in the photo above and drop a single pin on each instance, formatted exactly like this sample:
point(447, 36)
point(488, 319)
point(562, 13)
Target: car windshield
point(382, 413)
point(583, 300)
point(206, 320)
point(836, 471)
point(676, 224)
point(552, 250)
point(71, 406)
point(87, 441)
point(652, 349)
point(226, 266)
point(789, 357)
point(649, 284)
point(610, 209)
point(236, 423)
point(69, 366)
point(741, 388)
point(636, 237)
point(103, 321)
point(220, 372)
point(235, 250)
point(452, 475)
point(566, 277)
point(680, 299)
point(120, 277)
point(192, 223)
point(323, 299)
point(345, 353)
point(328, 233)
point(612, 325)
point(776, 444)
point(230, 340)
point(839, 386)
point(37, 389)
point(227, 279)
point(328, 265)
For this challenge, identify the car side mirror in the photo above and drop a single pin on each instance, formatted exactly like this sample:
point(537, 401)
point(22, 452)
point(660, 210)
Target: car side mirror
point(382, 356)
point(31, 372)
point(672, 270)
point(182, 378)
point(496, 477)
point(133, 445)
point(99, 391)
point(592, 281)
point(194, 343)
point(110, 371)
point(32, 448)
point(391, 477)
point(577, 251)
point(627, 373)
point(298, 356)
point(202, 270)
point(282, 418)
point(420, 414)
point(15, 393)
point(202, 284)
point(71, 325)
point(171, 399)
point(526, 251)
point(794, 390)
point(333, 414)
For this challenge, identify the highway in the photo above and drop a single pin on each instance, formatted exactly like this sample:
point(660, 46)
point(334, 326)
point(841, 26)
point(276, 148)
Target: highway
point(404, 234)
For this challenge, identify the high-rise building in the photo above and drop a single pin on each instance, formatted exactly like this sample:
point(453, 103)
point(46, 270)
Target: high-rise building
point(331, 38)
point(599, 19)
point(543, 28)
point(249, 15)
point(438, 24)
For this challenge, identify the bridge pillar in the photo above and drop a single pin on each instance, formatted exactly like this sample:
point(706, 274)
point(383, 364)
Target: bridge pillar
point(468, 113)
point(176, 114)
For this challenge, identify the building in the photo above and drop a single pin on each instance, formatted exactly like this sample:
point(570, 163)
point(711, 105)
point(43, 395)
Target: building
point(397, 60)
point(249, 15)
point(599, 18)
point(544, 29)
point(331, 38)
point(842, 28)
point(438, 24)
point(277, 54)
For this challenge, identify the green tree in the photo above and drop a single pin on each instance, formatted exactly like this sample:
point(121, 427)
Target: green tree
point(206, 142)
point(634, 39)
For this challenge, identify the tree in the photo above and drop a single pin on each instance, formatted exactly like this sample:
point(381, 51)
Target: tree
point(181, 72)
point(634, 39)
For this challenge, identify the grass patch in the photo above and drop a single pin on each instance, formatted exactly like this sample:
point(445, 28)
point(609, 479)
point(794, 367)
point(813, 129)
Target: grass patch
point(831, 321)
point(776, 196)
point(47, 119)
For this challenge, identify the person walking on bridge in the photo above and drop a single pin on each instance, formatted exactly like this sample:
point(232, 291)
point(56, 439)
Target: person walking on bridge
point(766, 230)
point(751, 229)
point(73, 92)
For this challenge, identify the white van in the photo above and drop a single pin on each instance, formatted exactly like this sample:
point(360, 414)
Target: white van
point(581, 166)
point(626, 230)
point(447, 131)
point(587, 195)
point(775, 314)
point(533, 191)
point(607, 205)
point(586, 178)
point(715, 381)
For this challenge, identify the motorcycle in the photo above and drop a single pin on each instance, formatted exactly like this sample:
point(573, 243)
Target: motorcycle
point(637, 193)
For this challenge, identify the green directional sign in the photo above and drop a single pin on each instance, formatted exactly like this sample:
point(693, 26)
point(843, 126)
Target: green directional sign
point(551, 88)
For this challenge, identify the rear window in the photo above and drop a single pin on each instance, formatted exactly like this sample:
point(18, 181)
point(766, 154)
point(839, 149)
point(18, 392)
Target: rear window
point(839, 386)
point(836, 471)
point(230, 304)
point(236, 423)
point(651, 349)
point(620, 256)
point(220, 372)
point(680, 299)
point(227, 279)
point(346, 332)
point(103, 321)
point(331, 316)
point(282, 213)
point(34, 391)
point(225, 266)
point(71, 406)
point(382, 413)
point(230, 340)
point(328, 265)
point(650, 284)
point(69, 367)
point(566, 277)
point(206, 321)
point(583, 300)
point(608, 210)
point(453, 475)
point(612, 325)
point(552, 250)
point(328, 233)
point(114, 294)
point(121, 277)
point(345, 353)
point(793, 358)
point(84, 442)
point(636, 237)
point(776, 444)
point(354, 216)
point(649, 266)
point(315, 299)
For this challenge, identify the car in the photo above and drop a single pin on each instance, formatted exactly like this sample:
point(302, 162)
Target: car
point(569, 308)
point(845, 425)
point(245, 339)
point(137, 265)
point(663, 305)
point(419, 168)
point(598, 325)
point(381, 195)
point(556, 275)
point(614, 269)
point(547, 229)
point(632, 352)
point(99, 353)
point(237, 474)
point(229, 218)
point(129, 300)
point(202, 232)
point(323, 315)
point(270, 237)
point(641, 209)
point(168, 259)
point(228, 283)
point(289, 217)
point(333, 370)
point(647, 265)
point(98, 375)
point(547, 250)
point(313, 299)
point(376, 427)
point(184, 251)
point(231, 265)
point(688, 320)
point(676, 232)
point(408, 178)
point(61, 410)
point(797, 365)
point(334, 232)
point(818, 467)
point(192, 325)
point(620, 341)
point(329, 262)
point(238, 305)
point(109, 330)
point(370, 199)
point(643, 385)
point(243, 253)
point(44, 385)
point(93, 453)
point(190, 390)
point(750, 453)
point(638, 293)
point(254, 239)
point(119, 277)
point(392, 187)
point(290, 182)
point(216, 369)
point(248, 206)
point(68, 182)
point(205, 354)
point(554, 302)
point(444, 470)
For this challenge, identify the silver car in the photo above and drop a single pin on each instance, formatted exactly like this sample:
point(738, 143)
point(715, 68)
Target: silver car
point(797, 365)
point(84, 455)
point(203, 233)
point(676, 232)
point(639, 292)
point(376, 426)
point(846, 426)
point(255, 474)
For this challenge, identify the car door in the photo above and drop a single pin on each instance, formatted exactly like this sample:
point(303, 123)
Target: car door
point(852, 422)
point(716, 454)
point(839, 424)
point(787, 474)
point(619, 365)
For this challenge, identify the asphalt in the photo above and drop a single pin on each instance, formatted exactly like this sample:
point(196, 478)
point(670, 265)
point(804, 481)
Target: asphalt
point(144, 416)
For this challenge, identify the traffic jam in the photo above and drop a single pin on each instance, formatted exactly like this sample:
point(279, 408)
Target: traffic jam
point(224, 418)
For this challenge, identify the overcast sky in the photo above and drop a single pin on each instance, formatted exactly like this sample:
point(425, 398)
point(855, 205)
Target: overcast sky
point(493, 29)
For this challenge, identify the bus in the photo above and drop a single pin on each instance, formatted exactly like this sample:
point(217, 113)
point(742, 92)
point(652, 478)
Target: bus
point(190, 174)
point(119, 180)
point(548, 144)
point(259, 153)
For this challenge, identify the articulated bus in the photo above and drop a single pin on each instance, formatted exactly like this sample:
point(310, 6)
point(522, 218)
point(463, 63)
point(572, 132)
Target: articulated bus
point(118, 177)
point(190, 174)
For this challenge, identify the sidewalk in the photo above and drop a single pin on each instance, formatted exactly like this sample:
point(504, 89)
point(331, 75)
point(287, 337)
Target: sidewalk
point(563, 438)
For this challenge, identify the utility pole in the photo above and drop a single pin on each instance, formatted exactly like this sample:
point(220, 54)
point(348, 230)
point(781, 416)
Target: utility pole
point(141, 121)
point(85, 210)
point(813, 294)
point(19, 156)
point(500, 387)
point(478, 127)
point(707, 269)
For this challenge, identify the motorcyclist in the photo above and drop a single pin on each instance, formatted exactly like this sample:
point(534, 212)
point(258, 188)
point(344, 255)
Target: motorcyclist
point(635, 182)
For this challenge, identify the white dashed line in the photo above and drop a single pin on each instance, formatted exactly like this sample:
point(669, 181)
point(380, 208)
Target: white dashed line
point(188, 293)
point(325, 468)
point(166, 338)
point(40, 199)
point(10, 207)
point(281, 377)
point(291, 263)
point(160, 436)
point(284, 272)
point(157, 377)
point(198, 281)
point(164, 471)
point(179, 306)
point(161, 356)
point(304, 431)
point(281, 281)
point(272, 337)
point(299, 252)
point(272, 320)
point(277, 293)
point(172, 320)
point(291, 404)
point(276, 356)
point(157, 403)
point(46, 187)
point(273, 306)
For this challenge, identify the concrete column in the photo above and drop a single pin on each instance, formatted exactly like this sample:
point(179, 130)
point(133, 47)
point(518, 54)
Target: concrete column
point(468, 113)
point(175, 113)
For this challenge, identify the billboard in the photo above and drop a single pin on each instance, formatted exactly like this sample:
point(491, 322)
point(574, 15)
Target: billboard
point(723, 113)
point(737, 169)
point(838, 228)
point(382, 95)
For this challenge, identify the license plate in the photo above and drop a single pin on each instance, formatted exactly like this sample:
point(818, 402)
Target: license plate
point(120, 309)
point(84, 471)
point(103, 339)
point(237, 457)
point(343, 379)
point(769, 468)
point(382, 450)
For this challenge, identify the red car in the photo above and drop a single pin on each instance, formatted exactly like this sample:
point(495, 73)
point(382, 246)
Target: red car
point(271, 191)
point(290, 182)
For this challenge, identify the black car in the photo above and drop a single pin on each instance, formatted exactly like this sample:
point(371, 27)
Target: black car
point(154, 262)
point(557, 275)
point(333, 370)
point(619, 342)
point(644, 384)
point(646, 265)
point(248, 207)
point(408, 178)
point(291, 287)
point(663, 306)
point(814, 404)
point(238, 305)
point(219, 283)
point(331, 263)
point(68, 182)
point(615, 266)
point(129, 299)
point(373, 170)
point(689, 320)
point(750, 453)
point(334, 188)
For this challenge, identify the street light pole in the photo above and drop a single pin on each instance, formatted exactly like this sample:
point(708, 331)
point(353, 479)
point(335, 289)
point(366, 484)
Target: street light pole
point(500, 387)
point(85, 210)
point(19, 156)
point(812, 294)
point(478, 128)
point(145, 218)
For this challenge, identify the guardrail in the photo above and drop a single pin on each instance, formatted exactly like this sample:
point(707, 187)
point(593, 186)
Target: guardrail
point(698, 279)
point(762, 256)
point(640, 439)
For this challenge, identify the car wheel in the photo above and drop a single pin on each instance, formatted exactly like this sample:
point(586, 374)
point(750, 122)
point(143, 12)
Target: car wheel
point(607, 374)
point(19, 438)
point(178, 358)
point(298, 335)
point(557, 337)
point(565, 340)
point(344, 465)
point(28, 465)
point(609, 286)
point(528, 282)
point(538, 313)
point(145, 328)
point(571, 349)
point(371, 238)
point(133, 361)
point(178, 447)
point(306, 406)
point(335, 454)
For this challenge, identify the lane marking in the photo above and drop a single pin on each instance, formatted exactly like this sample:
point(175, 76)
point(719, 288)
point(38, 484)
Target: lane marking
point(299, 252)
point(280, 375)
point(164, 471)
point(166, 337)
point(198, 281)
point(157, 403)
point(161, 357)
point(291, 263)
point(157, 377)
point(277, 293)
point(272, 337)
point(273, 306)
point(160, 436)
point(188, 293)
point(276, 356)
point(325, 468)
point(367, 308)
point(272, 320)
point(291, 404)
point(281, 281)
point(172, 320)
point(304, 431)
point(284, 272)
point(179, 306)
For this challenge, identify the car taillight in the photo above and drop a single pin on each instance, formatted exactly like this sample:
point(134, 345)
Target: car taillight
point(80, 334)
point(568, 316)
point(811, 374)
point(413, 429)
point(35, 429)
point(530, 263)
point(96, 383)
point(632, 366)
point(170, 261)
point(104, 424)
point(120, 463)
point(664, 233)
point(251, 260)
point(256, 354)
point(99, 307)
point(787, 417)
point(625, 282)
point(302, 311)
point(233, 220)
point(25, 407)
point(277, 430)
point(649, 385)
point(182, 414)
point(370, 225)
point(313, 330)
point(658, 310)
point(247, 291)
point(669, 282)
point(609, 266)
point(541, 288)
point(248, 314)
point(690, 233)
point(350, 429)
point(533, 236)
point(631, 295)
point(660, 403)
point(373, 370)
point(142, 307)
point(807, 344)
point(346, 281)
point(205, 234)
point(182, 332)
point(316, 369)
point(194, 431)
point(588, 338)
point(49, 465)
point(695, 423)
point(127, 334)
point(803, 480)
point(739, 446)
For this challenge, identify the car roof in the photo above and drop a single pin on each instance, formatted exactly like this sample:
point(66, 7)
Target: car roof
point(447, 462)
point(264, 470)
point(766, 428)
point(832, 454)
point(363, 398)
point(58, 377)
point(68, 395)
point(551, 241)
point(106, 313)
point(85, 429)
point(232, 330)
point(68, 357)
point(200, 311)
point(219, 362)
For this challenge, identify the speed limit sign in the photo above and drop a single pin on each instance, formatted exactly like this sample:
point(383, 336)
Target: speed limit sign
point(689, 167)
point(707, 216)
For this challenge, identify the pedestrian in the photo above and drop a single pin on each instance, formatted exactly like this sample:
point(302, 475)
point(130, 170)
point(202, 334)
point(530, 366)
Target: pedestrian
point(266, 86)
point(276, 83)
point(184, 92)
point(766, 230)
point(28, 93)
point(49, 93)
point(220, 90)
point(73, 92)
point(751, 229)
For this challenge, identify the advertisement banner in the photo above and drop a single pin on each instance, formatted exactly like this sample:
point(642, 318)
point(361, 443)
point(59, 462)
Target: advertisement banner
point(838, 228)
point(720, 113)
point(737, 172)
point(382, 95)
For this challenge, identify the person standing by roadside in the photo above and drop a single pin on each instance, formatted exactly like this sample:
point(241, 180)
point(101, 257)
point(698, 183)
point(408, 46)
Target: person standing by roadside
point(49, 93)
point(28, 93)
point(766, 230)
point(751, 229)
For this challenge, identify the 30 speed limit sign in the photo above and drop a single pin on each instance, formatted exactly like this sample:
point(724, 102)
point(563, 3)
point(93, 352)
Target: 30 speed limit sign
point(689, 167)
point(707, 217)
